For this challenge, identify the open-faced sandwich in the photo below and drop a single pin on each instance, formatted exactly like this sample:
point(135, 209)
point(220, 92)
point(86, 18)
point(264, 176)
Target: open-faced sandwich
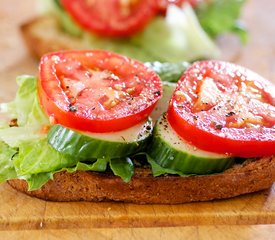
point(147, 30)
point(98, 126)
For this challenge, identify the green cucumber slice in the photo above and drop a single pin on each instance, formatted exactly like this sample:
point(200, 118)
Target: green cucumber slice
point(86, 146)
point(163, 103)
point(172, 152)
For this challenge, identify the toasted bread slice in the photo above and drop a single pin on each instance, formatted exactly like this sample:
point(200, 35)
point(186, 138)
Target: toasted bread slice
point(43, 35)
point(243, 178)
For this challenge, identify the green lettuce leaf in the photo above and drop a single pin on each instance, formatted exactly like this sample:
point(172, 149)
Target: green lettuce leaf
point(100, 165)
point(38, 156)
point(122, 167)
point(13, 136)
point(36, 181)
point(7, 170)
point(168, 72)
point(26, 108)
point(36, 116)
point(158, 170)
point(177, 37)
point(22, 105)
point(221, 16)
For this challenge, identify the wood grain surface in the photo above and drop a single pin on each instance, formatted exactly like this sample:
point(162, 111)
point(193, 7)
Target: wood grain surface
point(18, 211)
point(210, 220)
point(254, 232)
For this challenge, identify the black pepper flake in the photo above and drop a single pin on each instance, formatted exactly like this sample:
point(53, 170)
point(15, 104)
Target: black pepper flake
point(157, 93)
point(230, 114)
point(218, 126)
point(72, 108)
point(148, 128)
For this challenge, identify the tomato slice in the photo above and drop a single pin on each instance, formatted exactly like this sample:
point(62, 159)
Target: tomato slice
point(112, 18)
point(96, 91)
point(163, 4)
point(225, 108)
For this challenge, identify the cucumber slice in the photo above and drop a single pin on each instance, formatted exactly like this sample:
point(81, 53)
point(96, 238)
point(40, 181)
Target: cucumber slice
point(86, 146)
point(172, 152)
point(163, 103)
point(168, 72)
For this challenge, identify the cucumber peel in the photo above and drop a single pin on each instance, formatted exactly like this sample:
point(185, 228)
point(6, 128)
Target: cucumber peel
point(171, 152)
point(85, 146)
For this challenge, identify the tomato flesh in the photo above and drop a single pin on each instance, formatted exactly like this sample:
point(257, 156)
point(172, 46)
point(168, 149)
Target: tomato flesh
point(96, 91)
point(224, 108)
point(112, 18)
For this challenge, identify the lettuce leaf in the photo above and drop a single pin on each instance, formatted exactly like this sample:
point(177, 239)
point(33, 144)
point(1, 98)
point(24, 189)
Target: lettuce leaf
point(176, 37)
point(122, 167)
point(168, 72)
point(13, 136)
point(100, 165)
point(221, 16)
point(38, 157)
point(158, 170)
point(25, 108)
point(22, 104)
point(36, 181)
point(7, 170)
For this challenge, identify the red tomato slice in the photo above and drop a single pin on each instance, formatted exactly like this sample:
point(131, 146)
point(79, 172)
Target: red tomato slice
point(163, 4)
point(112, 18)
point(96, 91)
point(225, 108)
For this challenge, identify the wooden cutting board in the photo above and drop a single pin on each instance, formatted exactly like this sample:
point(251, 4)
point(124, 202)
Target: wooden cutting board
point(20, 212)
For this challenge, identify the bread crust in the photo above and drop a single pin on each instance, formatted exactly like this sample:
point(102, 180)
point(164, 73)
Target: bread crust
point(249, 177)
point(43, 35)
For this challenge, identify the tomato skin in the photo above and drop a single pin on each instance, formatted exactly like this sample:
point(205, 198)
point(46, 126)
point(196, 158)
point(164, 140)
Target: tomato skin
point(111, 18)
point(55, 69)
point(234, 135)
